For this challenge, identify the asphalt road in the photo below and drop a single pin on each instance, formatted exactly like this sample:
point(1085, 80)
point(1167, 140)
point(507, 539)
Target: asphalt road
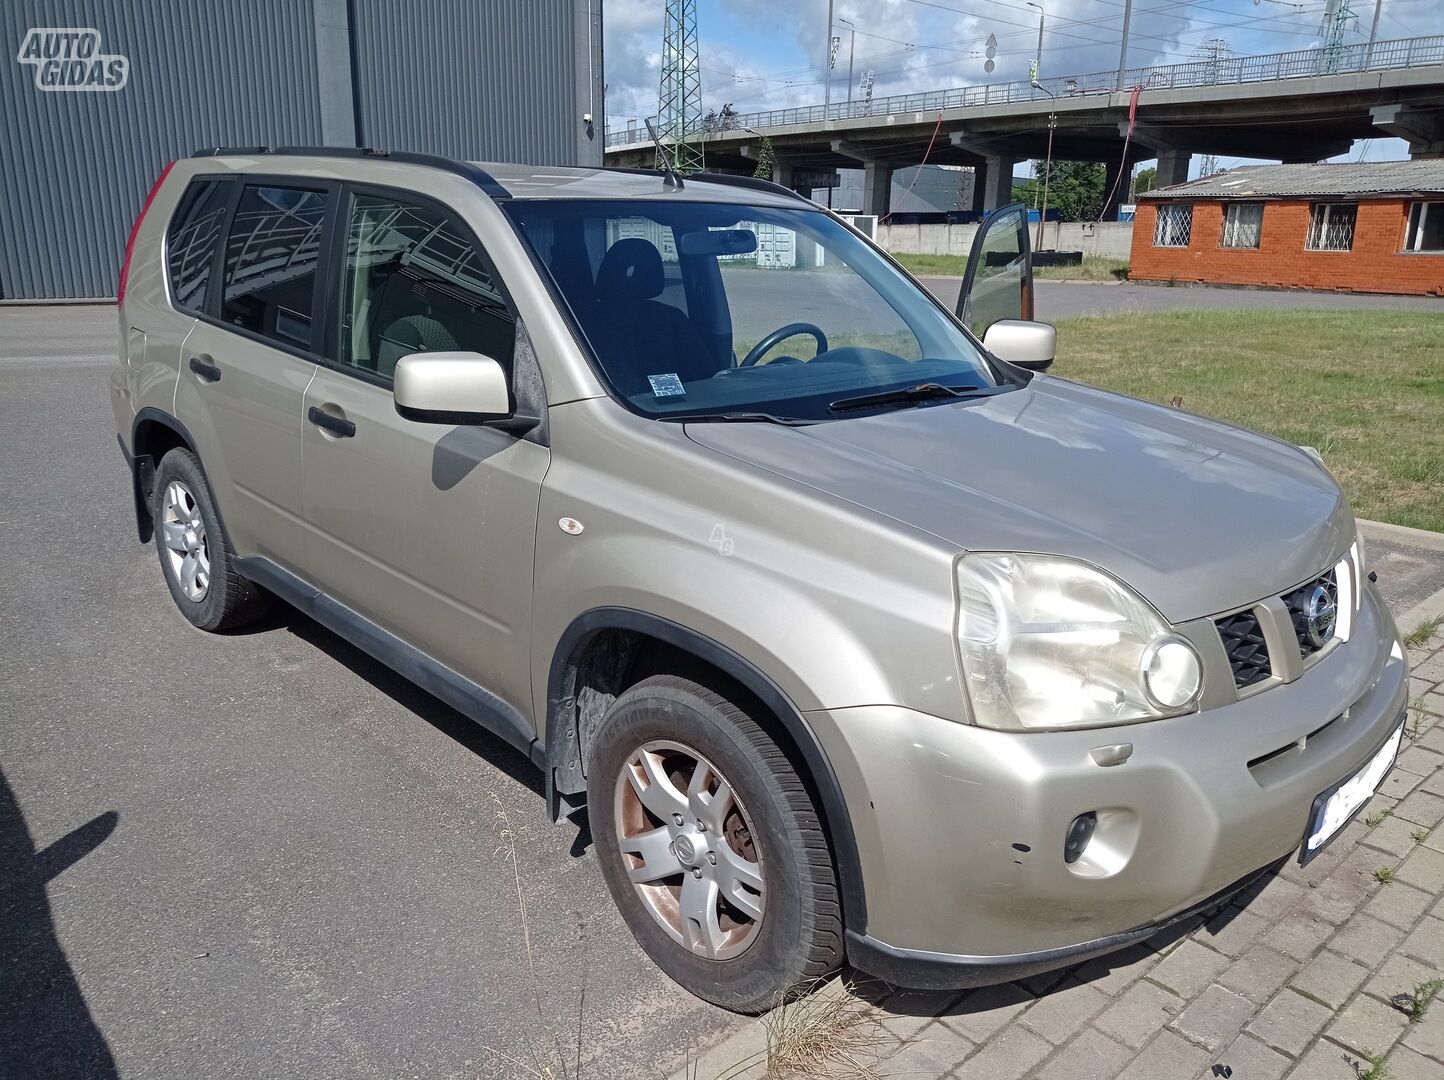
point(263, 854)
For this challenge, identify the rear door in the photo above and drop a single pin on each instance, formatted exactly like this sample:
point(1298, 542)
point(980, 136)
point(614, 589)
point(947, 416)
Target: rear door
point(998, 283)
point(246, 364)
point(428, 530)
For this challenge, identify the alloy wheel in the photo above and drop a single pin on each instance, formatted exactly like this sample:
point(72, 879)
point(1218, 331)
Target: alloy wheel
point(690, 850)
point(183, 531)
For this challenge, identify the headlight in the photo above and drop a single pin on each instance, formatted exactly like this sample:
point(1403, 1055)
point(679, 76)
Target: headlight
point(1048, 642)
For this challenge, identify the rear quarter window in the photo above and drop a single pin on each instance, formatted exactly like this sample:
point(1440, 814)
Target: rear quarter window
point(191, 241)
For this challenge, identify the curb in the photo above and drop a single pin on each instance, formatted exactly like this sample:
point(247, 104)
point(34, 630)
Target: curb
point(1419, 538)
point(1431, 607)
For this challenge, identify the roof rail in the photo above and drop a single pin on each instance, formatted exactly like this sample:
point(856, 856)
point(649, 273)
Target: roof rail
point(475, 173)
point(730, 179)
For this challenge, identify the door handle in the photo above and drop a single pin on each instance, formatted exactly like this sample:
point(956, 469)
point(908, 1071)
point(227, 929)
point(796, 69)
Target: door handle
point(336, 425)
point(208, 371)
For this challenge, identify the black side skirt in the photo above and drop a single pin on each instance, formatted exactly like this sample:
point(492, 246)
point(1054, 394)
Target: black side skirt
point(466, 697)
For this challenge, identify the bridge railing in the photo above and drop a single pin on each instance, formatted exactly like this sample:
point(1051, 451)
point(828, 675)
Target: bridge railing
point(1223, 71)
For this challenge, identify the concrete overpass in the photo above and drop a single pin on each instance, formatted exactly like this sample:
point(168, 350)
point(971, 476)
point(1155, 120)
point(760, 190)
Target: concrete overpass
point(1297, 106)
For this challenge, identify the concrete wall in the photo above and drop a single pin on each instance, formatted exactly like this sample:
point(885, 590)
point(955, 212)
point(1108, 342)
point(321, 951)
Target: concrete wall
point(1374, 264)
point(1108, 239)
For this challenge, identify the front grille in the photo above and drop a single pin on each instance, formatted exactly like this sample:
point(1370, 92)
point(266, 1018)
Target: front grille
point(1313, 638)
point(1243, 641)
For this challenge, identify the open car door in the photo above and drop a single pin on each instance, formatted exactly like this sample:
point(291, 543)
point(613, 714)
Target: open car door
point(996, 301)
point(998, 283)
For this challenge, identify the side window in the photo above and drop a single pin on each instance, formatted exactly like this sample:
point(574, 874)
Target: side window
point(190, 242)
point(414, 282)
point(272, 252)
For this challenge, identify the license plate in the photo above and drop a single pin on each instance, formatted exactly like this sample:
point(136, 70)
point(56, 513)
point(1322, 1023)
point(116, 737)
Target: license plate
point(1334, 808)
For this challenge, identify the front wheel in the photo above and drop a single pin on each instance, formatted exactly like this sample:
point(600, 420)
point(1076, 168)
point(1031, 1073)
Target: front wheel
point(711, 847)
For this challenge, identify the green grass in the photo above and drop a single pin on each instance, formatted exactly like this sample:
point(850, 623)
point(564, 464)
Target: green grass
point(1366, 388)
point(1094, 268)
point(1377, 1070)
point(1422, 634)
point(1385, 875)
point(1415, 1005)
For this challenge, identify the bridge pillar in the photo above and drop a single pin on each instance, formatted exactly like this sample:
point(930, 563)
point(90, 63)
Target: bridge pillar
point(784, 172)
point(1115, 188)
point(993, 183)
point(1173, 167)
point(877, 187)
point(1422, 129)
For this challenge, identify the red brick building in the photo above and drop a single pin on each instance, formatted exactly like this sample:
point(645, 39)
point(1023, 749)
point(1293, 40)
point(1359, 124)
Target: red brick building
point(1376, 227)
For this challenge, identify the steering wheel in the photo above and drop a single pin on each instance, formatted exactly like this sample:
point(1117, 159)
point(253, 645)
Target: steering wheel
point(782, 333)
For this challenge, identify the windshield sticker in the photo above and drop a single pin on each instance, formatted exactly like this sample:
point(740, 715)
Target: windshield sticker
point(668, 385)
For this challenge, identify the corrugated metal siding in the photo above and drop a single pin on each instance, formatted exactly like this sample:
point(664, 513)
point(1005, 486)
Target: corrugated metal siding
point(75, 167)
point(432, 78)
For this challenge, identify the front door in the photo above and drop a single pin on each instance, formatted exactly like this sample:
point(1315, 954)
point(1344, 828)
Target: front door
point(425, 529)
point(248, 359)
point(998, 283)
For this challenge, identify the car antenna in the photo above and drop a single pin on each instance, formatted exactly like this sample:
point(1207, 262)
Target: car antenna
point(672, 180)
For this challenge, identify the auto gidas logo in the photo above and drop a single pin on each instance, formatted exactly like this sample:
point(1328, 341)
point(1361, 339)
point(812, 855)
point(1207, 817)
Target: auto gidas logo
point(68, 58)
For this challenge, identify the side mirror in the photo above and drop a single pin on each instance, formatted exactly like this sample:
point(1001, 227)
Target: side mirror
point(1030, 345)
point(456, 388)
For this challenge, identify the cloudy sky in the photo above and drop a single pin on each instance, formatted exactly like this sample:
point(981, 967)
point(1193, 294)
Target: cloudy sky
point(764, 54)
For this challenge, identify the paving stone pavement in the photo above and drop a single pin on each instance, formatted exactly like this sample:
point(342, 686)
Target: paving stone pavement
point(1292, 979)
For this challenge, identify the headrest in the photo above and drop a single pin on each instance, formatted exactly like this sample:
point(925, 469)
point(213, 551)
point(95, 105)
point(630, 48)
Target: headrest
point(630, 270)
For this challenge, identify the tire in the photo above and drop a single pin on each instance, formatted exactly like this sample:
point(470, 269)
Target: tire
point(749, 964)
point(198, 563)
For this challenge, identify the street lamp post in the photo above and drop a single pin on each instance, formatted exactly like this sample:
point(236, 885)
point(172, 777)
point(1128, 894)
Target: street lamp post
point(1123, 48)
point(851, 47)
point(1047, 162)
point(1038, 56)
point(827, 65)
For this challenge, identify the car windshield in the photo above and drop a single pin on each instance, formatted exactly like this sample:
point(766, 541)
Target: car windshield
point(721, 310)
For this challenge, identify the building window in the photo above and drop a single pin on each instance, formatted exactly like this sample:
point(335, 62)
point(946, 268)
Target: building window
point(1426, 227)
point(1331, 227)
point(1242, 225)
point(1174, 225)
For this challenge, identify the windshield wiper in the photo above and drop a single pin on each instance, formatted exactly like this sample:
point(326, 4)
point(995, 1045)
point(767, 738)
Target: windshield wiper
point(907, 395)
point(738, 418)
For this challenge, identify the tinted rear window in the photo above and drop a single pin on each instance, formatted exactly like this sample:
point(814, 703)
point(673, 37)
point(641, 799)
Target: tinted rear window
point(272, 253)
point(191, 242)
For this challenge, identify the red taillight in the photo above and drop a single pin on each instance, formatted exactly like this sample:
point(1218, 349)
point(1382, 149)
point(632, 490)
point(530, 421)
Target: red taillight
point(134, 229)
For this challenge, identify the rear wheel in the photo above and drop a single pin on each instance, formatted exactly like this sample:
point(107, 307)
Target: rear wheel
point(711, 847)
point(195, 556)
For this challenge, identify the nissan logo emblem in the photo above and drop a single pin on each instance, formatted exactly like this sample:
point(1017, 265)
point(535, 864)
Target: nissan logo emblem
point(1319, 616)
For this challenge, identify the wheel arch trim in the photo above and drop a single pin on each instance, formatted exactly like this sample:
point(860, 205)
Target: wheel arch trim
point(142, 466)
point(821, 775)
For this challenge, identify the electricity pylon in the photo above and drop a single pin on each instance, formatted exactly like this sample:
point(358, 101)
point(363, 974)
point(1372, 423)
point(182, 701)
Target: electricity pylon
point(679, 99)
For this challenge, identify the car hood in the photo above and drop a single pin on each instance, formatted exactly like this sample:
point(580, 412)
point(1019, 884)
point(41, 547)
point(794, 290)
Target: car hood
point(1198, 516)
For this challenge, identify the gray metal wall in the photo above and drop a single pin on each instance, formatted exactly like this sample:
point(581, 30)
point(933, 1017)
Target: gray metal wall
point(483, 80)
point(499, 79)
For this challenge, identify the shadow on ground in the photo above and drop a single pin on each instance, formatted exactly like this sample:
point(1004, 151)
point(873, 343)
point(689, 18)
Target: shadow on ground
point(46, 1029)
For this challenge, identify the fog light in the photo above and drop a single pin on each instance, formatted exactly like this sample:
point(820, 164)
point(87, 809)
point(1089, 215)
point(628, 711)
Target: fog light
point(1171, 672)
point(1079, 833)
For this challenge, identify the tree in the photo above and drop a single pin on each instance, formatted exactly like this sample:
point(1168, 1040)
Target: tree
point(1146, 180)
point(766, 159)
point(1076, 189)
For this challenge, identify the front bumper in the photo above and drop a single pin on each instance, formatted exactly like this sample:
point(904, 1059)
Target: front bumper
point(960, 829)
